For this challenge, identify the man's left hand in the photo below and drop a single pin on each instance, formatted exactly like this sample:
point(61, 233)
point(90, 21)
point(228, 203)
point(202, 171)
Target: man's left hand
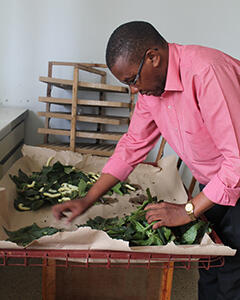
point(167, 214)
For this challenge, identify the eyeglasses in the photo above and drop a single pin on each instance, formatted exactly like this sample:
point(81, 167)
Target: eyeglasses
point(134, 81)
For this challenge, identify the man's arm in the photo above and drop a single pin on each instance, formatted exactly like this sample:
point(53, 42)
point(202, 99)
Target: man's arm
point(218, 93)
point(80, 205)
point(132, 149)
point(169, 214)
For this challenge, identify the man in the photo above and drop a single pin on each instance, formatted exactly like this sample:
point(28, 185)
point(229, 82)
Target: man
point(191, 96)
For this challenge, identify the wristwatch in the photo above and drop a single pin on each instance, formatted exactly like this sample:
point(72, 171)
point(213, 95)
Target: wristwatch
point(189, 208)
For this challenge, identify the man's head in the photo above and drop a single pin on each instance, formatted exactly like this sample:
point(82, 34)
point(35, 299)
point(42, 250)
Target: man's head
point(138, 56)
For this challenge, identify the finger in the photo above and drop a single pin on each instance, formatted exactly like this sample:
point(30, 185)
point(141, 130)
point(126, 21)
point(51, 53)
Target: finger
point(58, 210)
point(158, 224)
point(157, 212)
point(62, 215)
point(73, 216)
point(151, 206)
point(153, 218)
point(56, 213)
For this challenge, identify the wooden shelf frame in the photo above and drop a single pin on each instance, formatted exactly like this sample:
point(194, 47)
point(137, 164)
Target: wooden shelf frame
point(68, 85)
point(111, 136)
point(112, 120)
point(84, 102)
point(99, 136)
point(85, 148)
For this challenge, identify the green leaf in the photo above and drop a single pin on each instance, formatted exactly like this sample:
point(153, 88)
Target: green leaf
point(26, 235)
point(23, 177)
point(149, 195)
point(162, 235)
point(68, 169)
point(117, 189)
point(167, 232)
point(148, 242)
point(82, 185)
point(135, 229)
point(191, 233)
point(37, 204)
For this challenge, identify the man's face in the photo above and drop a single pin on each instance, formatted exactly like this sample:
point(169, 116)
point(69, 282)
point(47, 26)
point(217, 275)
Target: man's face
point(151, 78)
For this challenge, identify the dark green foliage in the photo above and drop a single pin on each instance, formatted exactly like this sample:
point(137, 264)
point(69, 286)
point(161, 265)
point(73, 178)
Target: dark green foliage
point(26, 235)
point(191, 233)
point(42, 188)
point(135, 229)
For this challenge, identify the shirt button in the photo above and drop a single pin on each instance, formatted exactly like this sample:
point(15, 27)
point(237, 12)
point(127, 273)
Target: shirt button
point(169, 106)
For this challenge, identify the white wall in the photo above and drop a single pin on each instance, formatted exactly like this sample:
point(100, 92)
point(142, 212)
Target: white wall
point(32, 32)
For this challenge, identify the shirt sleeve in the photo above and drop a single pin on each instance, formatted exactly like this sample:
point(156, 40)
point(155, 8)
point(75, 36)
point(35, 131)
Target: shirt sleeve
point(134, 145)
point(219, 102)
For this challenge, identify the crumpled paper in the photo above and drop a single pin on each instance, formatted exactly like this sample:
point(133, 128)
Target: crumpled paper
point(163, 181)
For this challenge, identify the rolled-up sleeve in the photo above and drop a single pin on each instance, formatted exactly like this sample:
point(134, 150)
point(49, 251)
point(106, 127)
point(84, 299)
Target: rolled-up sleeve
point(219, 193)
point(134, 145)
point(219, 101)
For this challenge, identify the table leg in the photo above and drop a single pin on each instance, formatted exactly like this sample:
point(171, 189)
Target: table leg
point(166, 281)
point(49, 280)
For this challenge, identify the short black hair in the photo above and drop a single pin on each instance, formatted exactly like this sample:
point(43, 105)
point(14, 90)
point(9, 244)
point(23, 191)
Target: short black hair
point(132, 39)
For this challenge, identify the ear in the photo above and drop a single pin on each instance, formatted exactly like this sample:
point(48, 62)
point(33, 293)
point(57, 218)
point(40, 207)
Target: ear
point(154, 57)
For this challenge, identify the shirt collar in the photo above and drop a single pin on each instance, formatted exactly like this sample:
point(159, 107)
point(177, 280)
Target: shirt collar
point(173, 82)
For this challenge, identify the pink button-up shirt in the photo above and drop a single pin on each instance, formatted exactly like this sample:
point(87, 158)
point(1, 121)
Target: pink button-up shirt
point(199, 116)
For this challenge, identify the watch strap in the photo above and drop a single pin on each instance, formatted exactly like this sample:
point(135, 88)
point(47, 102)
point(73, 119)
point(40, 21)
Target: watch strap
point(189, 208)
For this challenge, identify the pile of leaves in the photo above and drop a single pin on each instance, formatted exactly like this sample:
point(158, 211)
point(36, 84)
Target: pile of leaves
point(55, 184)
point(135, 229)
point(132, 228)
point(26, 235)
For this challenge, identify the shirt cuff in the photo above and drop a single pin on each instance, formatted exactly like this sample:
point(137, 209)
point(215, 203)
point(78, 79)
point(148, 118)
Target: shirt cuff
point(118, 168)
point(217, 192)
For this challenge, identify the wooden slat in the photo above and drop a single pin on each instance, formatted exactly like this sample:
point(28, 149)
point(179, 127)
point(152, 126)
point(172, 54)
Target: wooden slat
point(91, 70)
point(74, 108)
point(49, 91)
point(84, 102)
point(101, 135)
point(101, 152)
point(161, 149)
point(89, 66)
point(57, 115)
point(67, 84)
point(102, 103)
point(54, 131)
point(192, 185)
point(100, 126)
point(95, 65)
point(55, 100)
point(112, 136)
point(100, 149)
point(103, 119)
point(110, 120)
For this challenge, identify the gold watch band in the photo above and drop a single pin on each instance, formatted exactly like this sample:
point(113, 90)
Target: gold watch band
point(189, 208)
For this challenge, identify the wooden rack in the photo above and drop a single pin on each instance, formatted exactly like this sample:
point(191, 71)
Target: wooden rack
point(103, 142)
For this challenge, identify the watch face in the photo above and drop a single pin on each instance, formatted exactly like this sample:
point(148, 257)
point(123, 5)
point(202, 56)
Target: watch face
point(189, 207)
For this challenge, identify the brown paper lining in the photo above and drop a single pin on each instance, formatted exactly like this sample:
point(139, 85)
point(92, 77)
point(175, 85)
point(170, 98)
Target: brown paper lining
point(164, 182)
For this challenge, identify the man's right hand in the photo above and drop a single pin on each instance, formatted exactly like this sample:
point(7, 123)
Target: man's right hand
point(80, 205)
point(76, 207)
